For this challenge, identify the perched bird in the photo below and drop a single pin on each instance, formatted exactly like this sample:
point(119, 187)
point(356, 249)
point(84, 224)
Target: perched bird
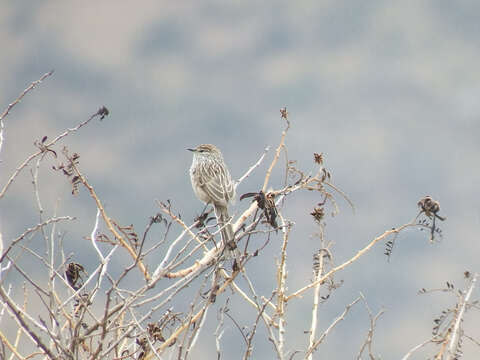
point(212, 184)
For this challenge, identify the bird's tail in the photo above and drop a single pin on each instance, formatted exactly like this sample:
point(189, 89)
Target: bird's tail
point(228, 237)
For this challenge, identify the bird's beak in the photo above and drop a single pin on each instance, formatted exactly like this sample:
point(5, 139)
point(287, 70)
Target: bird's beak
point(192, 150)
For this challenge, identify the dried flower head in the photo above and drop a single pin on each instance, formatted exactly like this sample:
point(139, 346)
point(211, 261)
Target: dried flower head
point(73, 274)
point(318, 158)
point(102, 112)
point(429, 206)
point(318, 213)
point(155, 332)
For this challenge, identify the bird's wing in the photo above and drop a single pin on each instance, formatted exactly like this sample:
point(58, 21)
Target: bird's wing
point(217, 183)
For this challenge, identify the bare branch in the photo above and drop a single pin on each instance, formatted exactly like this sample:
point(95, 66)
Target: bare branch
point(332, 325)
point(32, 86)
point(452, 347)
point(32, 230)
point(359, 254)
point(277, 153)
point(19, 313)
point(108, 221)
point(46, 146)
point(253, 167)
point(373, 322)
point(415, 348)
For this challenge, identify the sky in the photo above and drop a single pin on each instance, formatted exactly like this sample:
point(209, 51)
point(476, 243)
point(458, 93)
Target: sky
point(386, 90)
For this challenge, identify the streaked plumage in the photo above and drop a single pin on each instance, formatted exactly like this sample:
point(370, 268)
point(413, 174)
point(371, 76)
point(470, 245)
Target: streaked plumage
point(212, 184)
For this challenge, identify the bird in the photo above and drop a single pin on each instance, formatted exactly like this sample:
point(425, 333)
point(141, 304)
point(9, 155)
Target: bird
point(213, 184)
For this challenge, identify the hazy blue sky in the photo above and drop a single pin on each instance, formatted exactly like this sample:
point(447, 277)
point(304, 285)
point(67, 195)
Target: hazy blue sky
point(387, 90)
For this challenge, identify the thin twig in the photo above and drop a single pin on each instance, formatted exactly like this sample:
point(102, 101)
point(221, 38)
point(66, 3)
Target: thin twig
point(19, 317)
point(347, 199)
point(218, 331)
point(248, 352)
point(415, 348)
point(452, 347)
point(247, 299)
point(46, 146)
point(32, 230)
point(253, 167)
point(32, 86)
point(12, 348)
point(359, 254)
point(178, 220)
point(332, 325)
point(108, 222)
point(277, 154)
point(373, 322)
